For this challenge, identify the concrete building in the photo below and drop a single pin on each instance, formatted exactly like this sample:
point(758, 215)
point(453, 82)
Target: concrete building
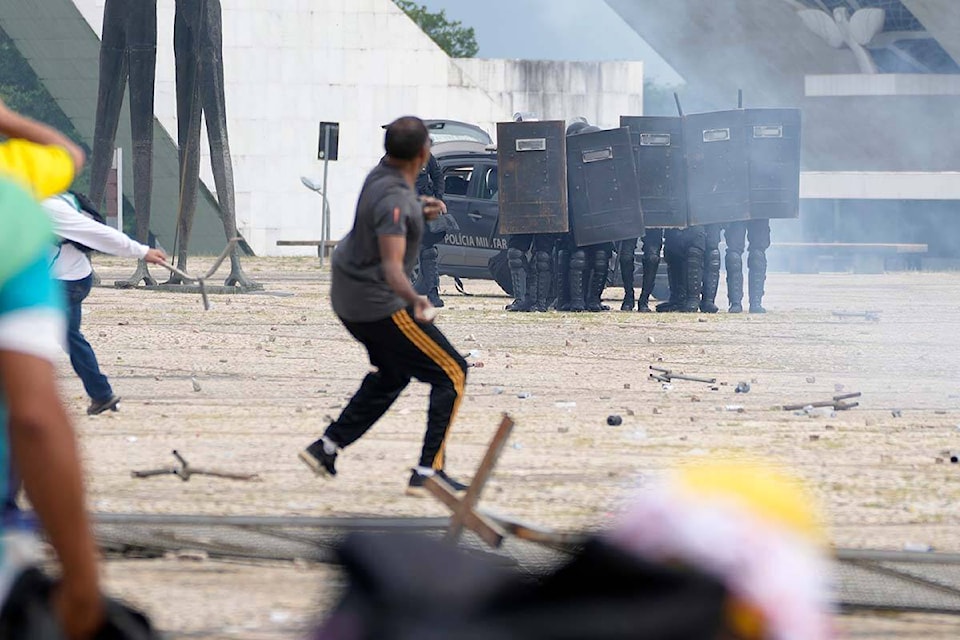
point(878, 82)
point(290, 64)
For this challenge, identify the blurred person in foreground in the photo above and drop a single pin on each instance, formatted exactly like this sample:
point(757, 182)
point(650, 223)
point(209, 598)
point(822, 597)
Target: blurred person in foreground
point(372, 295)
point(79, 235)
point(36, 162)
point(720, 551)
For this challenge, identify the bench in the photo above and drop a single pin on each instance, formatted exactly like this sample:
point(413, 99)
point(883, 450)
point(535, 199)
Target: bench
point(865, 257)
point(324, 247)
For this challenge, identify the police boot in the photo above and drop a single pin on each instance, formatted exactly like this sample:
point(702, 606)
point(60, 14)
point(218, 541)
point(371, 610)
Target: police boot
point(694, 278)
point(734, 262)
point(676, 278)
point(562, 277)
point(541, 301)
point(650, 267)
point(578, 263)
point(626, 274)
point(711, 282)
point(429, 282)
point(757, 266)
point(518, 279)
point(598, 281)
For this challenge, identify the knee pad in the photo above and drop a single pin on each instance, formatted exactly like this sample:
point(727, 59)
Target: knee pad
point(756, 260)
point(515, 258)
point(578, 260)
point(544, 261)
point(600, 259)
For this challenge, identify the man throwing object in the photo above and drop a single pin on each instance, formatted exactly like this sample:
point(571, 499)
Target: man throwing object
point(372, 295)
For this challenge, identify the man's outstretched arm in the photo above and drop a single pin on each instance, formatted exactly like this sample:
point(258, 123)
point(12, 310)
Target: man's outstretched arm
point(44, 450)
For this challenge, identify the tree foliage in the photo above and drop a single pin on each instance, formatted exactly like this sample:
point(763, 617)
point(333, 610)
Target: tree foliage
point(450, 35)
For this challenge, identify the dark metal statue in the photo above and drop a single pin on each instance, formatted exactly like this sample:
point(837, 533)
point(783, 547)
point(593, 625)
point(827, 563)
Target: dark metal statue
point(129, 50)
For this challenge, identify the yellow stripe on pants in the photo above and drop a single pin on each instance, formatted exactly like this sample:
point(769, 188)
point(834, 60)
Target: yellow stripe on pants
point(442, 359)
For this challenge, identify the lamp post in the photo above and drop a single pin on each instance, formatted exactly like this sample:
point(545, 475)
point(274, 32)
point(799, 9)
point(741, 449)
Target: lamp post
point(317, 187)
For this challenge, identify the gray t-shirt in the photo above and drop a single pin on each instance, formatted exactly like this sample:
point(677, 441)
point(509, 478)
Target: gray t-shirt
point(388, 206)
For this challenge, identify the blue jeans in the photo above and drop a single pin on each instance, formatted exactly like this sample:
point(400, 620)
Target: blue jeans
point(82, 357)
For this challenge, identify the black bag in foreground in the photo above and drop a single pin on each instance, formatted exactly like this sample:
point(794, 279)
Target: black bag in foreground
point(410, 588)
point(28, 614)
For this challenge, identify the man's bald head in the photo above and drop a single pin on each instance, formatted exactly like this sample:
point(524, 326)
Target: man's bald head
point(406, 138)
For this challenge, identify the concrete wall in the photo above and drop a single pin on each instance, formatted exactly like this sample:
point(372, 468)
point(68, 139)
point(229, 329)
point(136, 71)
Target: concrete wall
point(290, 64)
point(599, 91)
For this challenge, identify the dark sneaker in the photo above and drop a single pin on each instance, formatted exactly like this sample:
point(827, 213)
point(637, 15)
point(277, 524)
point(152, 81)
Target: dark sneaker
point(319, 461)
point(110, 404)
point(415, 486)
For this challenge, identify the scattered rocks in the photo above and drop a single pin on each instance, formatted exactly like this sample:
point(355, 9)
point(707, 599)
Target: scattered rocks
point(694, 398)
point(813, 437)
point(896, 413)
point(651, 340)
point(498, 391)
point(614, 421)
point(272, 338)
point(196, 385)
point(742, 387)
point(523, 395)
point(563, 429)
point(626, 385)
point(811, 380)
point(656, 411)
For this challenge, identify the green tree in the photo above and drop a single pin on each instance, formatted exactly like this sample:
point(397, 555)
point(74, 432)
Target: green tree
point(450, 35)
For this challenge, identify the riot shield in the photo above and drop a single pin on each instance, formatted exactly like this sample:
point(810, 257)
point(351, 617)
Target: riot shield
point(532, 167)
point(718, 181)
point(773, 141)
point(661, 169)
point(603, 195)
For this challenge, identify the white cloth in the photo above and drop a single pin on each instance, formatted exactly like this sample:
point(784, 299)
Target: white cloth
point(72, 264)
point(39, 332)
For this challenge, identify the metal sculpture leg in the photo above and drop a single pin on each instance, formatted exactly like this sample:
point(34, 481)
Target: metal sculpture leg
point(128, 52)
point(198, 44)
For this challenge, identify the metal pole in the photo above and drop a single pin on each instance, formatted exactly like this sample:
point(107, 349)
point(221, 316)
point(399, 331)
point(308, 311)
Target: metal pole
point(118, 159)
point(325, 217)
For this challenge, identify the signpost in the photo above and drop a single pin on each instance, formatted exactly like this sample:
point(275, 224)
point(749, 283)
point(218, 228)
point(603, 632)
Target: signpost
point(328, 150)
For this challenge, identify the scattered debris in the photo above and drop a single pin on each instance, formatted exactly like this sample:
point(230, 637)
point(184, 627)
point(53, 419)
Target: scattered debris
point(838, 403)
point(497, 391)
point(919, 547)
point(476, 365)
point(651, 340)
point(626, 385)
point(814, 437)
point(196, 385)
point(666, 375)
point(811, 380)
point(563, 429)
point(896, 413)
point(656, 411)
point(736, 408)
point(694, 398)
point(614, 421)
point(523, 395)
point(184, 471)
point(565, 405)
point(742, 387)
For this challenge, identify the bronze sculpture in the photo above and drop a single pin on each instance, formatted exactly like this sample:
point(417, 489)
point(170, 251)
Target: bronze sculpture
point(128, 51)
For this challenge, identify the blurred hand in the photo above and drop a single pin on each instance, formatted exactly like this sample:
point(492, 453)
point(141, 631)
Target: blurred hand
point(423, 311)
point(155, 256)
point(432, 207)
point(80, 611)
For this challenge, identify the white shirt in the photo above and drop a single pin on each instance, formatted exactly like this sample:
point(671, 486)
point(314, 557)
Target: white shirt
point(69, 262)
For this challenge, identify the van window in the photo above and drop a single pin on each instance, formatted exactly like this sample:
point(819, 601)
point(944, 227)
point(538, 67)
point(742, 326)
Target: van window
point(456, 180)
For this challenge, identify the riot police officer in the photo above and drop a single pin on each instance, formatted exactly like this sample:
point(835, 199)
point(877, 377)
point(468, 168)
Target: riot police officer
point(711, 268)
point(683, 252)
point(736, 235)
point(430, 183)
point(649, 264)
point(531, 279)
